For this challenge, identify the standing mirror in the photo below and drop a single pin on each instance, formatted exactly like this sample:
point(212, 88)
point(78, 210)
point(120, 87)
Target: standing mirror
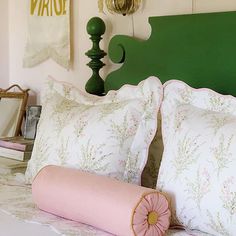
point(13, 101)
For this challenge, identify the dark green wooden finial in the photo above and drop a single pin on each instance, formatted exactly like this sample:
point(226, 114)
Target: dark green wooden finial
point(95, 27)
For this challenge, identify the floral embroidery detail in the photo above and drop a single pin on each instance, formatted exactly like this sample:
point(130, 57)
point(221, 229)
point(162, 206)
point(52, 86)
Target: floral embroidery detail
point(216, 122)
point(61, 122)
point(222, 157)
point(186, 95)
point(63, 152)
point(93, 158)
point(120, 132)
point(148, 104)
point(198, 188)
point(187, 154)
point(80, 126)
point(179, 118)
point(132, 167)
point(228, 196)
point(217, 225)
point(107, 109)
point(66, 91)
point(218, 103)
point(64, 106)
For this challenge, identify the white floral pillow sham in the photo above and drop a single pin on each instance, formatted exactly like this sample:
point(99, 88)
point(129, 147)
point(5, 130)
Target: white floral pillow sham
point(198, 169)
point(107, 135)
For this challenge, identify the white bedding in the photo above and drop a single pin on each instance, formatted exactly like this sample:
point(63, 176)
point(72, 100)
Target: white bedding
point(20, 217)
point(10, 226)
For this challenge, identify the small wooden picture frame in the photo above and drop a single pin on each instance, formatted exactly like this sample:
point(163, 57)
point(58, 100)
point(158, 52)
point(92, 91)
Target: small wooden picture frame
point(12, 109)
point(32, 117)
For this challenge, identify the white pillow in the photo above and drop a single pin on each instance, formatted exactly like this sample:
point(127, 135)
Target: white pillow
point(107, 135)
point(198, 169)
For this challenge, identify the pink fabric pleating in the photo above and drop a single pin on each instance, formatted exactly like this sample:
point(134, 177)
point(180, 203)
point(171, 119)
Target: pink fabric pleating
point(152, 202)
point(113, 206)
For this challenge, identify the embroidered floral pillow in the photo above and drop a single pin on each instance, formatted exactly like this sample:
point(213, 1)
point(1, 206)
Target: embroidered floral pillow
point(198, 166)
point(107, 135)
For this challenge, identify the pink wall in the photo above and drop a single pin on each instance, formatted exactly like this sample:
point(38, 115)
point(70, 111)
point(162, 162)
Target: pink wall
point(4, 46)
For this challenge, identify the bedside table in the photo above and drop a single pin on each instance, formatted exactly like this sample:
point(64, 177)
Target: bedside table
point(9, 166)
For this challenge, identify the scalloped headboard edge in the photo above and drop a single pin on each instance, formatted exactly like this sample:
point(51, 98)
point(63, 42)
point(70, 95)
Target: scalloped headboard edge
point(199, 49)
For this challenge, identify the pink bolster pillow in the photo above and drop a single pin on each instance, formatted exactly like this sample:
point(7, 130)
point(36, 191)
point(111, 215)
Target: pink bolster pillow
point(113, 206)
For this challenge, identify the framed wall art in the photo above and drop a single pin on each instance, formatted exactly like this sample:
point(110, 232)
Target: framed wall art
point(32, 118)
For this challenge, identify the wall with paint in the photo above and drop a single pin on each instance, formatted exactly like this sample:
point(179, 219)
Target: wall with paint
point(4, 46)
point(82, 11)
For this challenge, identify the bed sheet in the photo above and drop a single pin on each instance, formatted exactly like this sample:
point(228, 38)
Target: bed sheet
point(10, 226)
point(20, 216)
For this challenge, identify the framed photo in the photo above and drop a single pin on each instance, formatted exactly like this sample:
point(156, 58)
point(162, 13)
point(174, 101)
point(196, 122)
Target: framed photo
point(31, 121)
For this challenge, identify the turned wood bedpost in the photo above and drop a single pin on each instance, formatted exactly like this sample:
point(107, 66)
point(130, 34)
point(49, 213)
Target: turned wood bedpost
point(95, 27)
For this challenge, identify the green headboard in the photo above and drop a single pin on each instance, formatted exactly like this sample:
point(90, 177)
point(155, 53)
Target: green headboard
point(199, 49)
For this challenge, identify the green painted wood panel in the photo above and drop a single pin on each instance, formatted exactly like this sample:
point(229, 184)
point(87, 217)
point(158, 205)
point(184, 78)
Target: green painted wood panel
point(199, 49)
